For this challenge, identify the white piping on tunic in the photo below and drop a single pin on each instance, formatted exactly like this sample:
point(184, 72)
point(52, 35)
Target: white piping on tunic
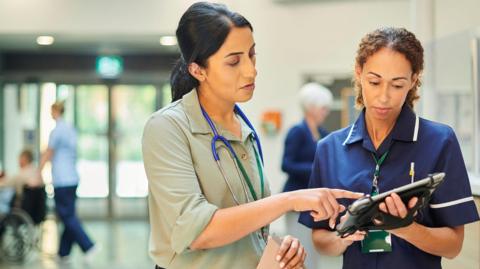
point(452, 203)
point(349, 134)
point(415, 132)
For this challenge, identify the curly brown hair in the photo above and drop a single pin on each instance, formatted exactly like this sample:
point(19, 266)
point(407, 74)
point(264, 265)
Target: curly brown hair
point(398, 39)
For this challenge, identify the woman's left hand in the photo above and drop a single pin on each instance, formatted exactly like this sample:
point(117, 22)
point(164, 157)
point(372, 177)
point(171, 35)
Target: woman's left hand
point(394, 206)
point(291, 254)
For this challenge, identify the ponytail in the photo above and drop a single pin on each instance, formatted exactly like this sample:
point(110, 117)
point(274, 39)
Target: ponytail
point(181, 81)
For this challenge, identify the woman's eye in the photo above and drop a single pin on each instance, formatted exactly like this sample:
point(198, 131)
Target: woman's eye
point(374, 83)
point(398, 86)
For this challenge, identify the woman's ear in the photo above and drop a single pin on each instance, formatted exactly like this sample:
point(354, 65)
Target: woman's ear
point(197, 71)
point(414, 80)
point(358, 73)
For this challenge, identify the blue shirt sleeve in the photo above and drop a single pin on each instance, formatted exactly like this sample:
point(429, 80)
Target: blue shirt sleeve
point(290, 165)
point(315, 182)
point(54, 139)
point(452, 203)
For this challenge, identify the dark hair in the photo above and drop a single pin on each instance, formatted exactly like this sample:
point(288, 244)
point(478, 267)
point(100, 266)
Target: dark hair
point(397, 39)
point(28, 154)
point(200, 33)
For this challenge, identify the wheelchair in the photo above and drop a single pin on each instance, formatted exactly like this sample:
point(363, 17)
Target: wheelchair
point(17, 236)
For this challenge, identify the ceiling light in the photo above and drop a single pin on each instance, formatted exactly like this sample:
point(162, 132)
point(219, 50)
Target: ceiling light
point(168, 40)
point(45, 40)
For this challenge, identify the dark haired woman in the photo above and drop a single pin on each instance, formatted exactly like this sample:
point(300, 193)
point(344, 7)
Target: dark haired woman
point(387, 147)
point(209, 201)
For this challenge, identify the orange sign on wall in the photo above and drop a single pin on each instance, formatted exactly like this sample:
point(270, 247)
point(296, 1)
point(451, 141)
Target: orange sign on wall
point(271, 122)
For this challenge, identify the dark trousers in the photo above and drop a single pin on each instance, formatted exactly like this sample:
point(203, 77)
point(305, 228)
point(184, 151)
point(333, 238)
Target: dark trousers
point(157, 267)
point(72, 232)
point(33, 202)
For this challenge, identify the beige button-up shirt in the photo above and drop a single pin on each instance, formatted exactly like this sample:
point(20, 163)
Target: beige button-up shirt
point(27, 176)
point(186, 187)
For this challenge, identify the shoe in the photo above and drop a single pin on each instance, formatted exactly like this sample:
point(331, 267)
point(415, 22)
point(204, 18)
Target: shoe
point(89, 256)
point(63, 259)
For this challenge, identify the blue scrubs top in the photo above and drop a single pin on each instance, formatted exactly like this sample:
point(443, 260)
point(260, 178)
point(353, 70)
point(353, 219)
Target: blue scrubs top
point(344, 160)
point(63, 142)
point(298, 155)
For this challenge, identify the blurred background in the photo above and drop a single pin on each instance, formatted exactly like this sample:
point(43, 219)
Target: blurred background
point(110, 61)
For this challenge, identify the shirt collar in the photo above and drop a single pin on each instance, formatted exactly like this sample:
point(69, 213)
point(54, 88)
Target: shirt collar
point(405, 129)
point(199, 125)
point(197, 122)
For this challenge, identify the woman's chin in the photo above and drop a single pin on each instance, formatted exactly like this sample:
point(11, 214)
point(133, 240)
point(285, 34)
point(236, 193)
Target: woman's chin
point(244, 98)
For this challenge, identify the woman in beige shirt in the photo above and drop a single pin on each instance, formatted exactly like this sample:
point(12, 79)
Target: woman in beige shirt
point(29, 188)
point(204, 214)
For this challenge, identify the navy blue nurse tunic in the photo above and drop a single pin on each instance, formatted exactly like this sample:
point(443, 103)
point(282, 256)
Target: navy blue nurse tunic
point(344, 160)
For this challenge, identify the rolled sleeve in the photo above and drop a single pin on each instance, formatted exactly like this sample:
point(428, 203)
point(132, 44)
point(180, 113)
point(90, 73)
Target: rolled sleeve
point(452, 203)
point(176, 195)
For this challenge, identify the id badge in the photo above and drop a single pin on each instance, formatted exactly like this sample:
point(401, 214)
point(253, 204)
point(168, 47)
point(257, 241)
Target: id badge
point(377, 241)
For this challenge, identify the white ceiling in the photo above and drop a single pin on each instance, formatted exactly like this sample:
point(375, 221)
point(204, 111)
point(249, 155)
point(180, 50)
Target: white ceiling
point(107, 44)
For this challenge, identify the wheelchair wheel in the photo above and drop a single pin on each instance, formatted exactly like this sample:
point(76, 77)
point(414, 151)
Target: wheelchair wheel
point(16, 236)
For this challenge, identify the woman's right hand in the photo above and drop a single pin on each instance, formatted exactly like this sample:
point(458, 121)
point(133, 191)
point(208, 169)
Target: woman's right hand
point(322, 202)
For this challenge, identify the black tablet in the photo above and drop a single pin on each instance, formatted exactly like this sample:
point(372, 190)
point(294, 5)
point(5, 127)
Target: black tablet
point(364, 214)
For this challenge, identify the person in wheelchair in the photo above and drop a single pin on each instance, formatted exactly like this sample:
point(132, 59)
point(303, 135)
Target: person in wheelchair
point(30, 193)
point(27, 208)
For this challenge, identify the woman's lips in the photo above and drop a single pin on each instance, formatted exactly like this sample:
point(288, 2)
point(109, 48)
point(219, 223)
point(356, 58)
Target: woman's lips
point(382, 110)
point(249, 87)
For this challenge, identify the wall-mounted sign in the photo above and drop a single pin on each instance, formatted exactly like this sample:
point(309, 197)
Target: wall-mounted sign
point(109, 66)
point(271, 122)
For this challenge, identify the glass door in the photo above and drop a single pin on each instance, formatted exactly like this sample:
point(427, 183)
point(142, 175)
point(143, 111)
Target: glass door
point(131, 107)
point(109, 120)
point(91, 117)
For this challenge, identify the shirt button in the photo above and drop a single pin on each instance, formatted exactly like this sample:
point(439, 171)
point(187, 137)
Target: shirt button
point(244, 156)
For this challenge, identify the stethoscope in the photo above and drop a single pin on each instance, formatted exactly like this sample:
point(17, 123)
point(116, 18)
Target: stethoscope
point(238, 163)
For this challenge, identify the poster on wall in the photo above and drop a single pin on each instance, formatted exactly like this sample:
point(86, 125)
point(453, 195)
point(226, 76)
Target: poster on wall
point(271, 122)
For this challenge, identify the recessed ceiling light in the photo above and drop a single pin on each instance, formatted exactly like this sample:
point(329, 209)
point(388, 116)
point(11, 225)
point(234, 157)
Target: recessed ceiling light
point(45, 40)
point(168, 40)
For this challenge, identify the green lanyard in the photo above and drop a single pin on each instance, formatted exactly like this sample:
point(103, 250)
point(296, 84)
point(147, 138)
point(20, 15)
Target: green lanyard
point(376, 174)
point(247, 178)
point(263, 230)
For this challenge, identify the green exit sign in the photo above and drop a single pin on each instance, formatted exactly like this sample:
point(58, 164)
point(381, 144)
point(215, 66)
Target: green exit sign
point(109, 66)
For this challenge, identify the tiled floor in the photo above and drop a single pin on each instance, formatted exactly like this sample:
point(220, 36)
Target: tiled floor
point(123, 245)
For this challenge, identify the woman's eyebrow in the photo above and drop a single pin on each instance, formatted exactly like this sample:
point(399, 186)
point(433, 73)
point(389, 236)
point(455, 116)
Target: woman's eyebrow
point(377, 75)
point(233, 54)
point(238, 53)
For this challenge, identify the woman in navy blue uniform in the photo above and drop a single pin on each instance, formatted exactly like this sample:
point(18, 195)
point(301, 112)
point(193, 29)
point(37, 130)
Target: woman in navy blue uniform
point(389, 146)
point(302, 138)
point(299, 152)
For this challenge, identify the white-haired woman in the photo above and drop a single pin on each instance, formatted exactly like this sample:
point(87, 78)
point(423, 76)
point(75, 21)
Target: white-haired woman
point(299, 153)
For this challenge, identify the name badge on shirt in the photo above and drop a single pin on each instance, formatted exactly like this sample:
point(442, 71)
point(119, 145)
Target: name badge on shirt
point(377, 241)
